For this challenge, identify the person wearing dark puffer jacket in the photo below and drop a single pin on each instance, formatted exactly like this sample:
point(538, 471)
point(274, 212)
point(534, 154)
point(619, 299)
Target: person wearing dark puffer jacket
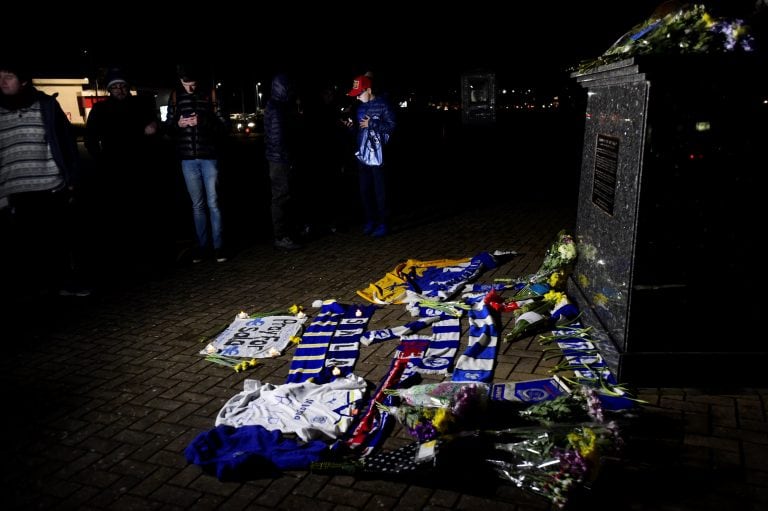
point(195, 119)
point(282, 132)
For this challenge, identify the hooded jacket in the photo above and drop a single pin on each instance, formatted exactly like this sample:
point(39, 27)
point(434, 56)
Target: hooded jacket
point(282, 125)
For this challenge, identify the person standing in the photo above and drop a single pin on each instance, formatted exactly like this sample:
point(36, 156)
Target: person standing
point(374, 117)
point(39, 173)
point(282, 132)
point(196, 120)
point(119, 136)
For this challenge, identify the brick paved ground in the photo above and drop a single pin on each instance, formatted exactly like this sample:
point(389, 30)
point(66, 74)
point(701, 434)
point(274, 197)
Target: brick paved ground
point(103, 394)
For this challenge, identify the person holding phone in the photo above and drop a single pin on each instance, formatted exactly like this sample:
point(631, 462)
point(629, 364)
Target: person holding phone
point(195, 120)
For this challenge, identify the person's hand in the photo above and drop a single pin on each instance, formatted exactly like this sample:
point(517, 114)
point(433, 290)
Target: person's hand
point(364, 121)
point(188, 122)
point(347, 122)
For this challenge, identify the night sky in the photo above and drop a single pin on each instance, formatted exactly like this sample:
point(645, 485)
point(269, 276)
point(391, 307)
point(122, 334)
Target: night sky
point(411, 45)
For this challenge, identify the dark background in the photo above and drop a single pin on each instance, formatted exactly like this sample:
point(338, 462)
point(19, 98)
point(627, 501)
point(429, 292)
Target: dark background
point(416, 45)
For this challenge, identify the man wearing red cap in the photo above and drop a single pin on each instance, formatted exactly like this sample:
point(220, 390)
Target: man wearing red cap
point(375, 123)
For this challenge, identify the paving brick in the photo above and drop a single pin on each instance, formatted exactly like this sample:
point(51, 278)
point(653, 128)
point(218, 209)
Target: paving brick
point(390, 488)
point(174, 495)
point(714, 442)
point(339, 495)
point(415, 497)
point(444, 498)
point(276, 491)
point(385, 502)
point(245, 498)
point(302, 503)
point(755, 456)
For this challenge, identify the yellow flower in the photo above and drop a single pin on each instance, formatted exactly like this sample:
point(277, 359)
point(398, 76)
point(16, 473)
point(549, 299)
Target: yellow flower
point(600, 299)
point(442, 420)
point(295, 339)
point(708, 21)
point(585, 441)
point(555, 279)
point(295, 309)
point(553, 296)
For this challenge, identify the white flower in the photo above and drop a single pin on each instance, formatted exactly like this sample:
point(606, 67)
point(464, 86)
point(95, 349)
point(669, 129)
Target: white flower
point(567, 251)
point(242, 315)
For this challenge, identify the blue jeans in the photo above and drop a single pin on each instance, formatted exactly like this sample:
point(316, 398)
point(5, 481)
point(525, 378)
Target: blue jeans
point(202, 178)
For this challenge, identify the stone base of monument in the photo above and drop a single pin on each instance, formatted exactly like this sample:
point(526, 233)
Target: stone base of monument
point(669, 218)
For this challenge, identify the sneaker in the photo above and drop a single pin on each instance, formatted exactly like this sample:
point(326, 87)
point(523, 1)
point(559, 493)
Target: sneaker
point(74, 291)
point(219, 255)
point(197, 256)
point(380, 231)
point(286, 244)
point(369, 228)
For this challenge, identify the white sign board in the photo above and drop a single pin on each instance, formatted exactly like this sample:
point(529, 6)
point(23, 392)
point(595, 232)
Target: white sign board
point(256, 337)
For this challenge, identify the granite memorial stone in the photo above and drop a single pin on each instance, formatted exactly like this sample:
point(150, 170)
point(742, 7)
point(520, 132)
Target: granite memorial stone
point(669, 217)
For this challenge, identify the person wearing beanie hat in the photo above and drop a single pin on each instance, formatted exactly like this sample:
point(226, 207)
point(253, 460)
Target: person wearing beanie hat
point(119, 135)
point(375, 120)
point(114, 77)
point(39, 172)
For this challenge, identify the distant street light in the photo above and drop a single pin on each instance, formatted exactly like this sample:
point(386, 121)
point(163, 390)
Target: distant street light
point(258, 96)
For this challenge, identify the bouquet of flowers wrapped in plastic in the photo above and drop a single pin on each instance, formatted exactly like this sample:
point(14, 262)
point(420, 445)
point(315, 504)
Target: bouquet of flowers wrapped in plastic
point(430, 410)
point(689, 29)
point(558, 256)
point(562, 452)
point(539, 314)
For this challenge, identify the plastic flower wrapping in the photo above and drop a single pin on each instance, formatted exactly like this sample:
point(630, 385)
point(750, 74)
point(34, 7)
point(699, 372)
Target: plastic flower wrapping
point(554, 307)
point(690, 29)
point(430, 410)
point(558, 258)
point(563, 452)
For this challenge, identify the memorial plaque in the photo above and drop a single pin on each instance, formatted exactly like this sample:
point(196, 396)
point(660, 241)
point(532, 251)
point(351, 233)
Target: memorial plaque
point(604, 179)
point(666, 229)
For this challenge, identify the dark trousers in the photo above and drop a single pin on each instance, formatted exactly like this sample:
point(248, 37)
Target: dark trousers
point(41, 232)
point(373, 194)
point(281, 178)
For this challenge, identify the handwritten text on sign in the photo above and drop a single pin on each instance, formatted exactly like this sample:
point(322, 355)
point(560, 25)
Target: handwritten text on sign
point(257, 337)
